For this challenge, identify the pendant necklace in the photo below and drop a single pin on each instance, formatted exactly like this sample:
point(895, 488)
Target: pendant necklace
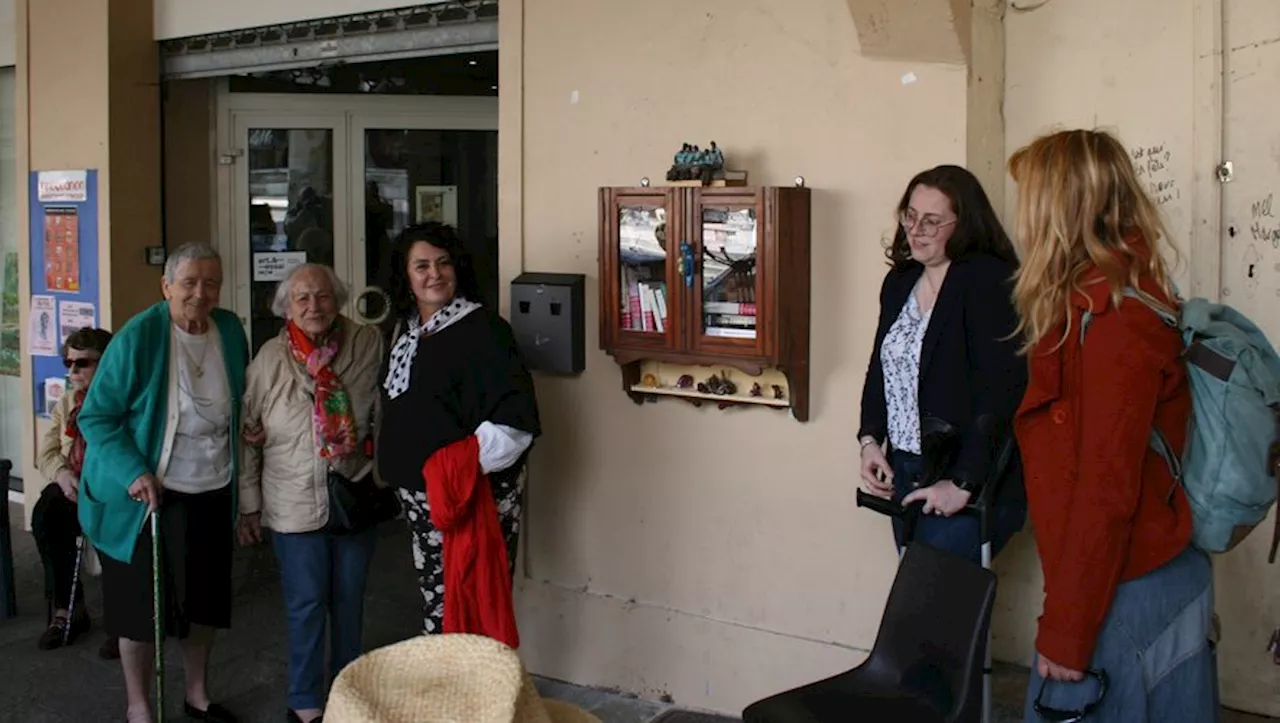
point(199, 365)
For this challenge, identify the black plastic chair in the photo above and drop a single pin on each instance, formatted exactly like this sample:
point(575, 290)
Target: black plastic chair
point(927, 662)
point(936, 440)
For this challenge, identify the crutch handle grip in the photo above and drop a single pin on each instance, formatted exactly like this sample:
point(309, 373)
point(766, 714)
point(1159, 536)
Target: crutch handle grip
point(880, 504)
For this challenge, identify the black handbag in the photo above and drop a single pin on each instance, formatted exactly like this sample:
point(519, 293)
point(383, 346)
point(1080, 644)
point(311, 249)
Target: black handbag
point(357, 506)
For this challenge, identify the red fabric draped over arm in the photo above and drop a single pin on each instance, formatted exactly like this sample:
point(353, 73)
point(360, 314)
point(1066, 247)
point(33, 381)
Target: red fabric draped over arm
point(477, 577)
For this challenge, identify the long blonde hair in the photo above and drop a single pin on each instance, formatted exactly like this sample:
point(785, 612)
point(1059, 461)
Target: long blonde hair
point(1080, 205)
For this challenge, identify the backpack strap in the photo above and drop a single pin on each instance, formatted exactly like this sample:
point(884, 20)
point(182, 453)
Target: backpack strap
point(1156, 440)
point(1273, 464)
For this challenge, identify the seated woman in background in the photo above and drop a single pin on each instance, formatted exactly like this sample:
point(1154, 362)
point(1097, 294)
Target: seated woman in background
point(944, 354)
point(53, 521)
point(456, 392)
point(1125, 592)
point(312, 397)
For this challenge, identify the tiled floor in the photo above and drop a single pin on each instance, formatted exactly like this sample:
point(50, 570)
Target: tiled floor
point(249, 662)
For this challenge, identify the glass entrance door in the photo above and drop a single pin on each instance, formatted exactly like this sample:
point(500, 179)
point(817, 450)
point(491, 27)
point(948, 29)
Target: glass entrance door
point(291, 207)
point(410, 170)
point(337, 179)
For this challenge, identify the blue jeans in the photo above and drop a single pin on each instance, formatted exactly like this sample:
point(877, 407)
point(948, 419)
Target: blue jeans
point(959, 534)
point(323, 578)
point(1154, 647)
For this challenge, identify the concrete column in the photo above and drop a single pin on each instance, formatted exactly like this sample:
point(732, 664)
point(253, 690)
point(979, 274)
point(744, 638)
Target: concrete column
point(87, 96)
point(968, 32)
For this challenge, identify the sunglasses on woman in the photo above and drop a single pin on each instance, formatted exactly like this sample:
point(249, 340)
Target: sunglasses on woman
point(79, 364)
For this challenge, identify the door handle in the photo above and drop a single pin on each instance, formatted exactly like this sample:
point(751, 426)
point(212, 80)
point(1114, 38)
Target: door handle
point(373, 305)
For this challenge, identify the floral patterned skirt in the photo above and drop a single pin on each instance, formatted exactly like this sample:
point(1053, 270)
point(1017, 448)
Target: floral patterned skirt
point(428, 543)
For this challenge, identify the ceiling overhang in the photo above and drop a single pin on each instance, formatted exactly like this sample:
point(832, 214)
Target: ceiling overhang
point(935, 31)
point(457, 26)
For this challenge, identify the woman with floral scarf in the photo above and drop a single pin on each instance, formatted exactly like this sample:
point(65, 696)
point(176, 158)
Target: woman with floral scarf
point(311, 406)
point(53, 521)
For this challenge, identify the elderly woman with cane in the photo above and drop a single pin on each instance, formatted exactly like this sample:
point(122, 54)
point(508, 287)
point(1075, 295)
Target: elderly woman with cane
point(162, 425)
point(311, 408)
point(54, 522)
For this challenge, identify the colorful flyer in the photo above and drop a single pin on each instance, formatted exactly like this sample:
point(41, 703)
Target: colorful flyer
point(61, 249)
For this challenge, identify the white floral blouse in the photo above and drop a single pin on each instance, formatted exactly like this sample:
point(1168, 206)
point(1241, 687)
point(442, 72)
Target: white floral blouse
point(900, 358)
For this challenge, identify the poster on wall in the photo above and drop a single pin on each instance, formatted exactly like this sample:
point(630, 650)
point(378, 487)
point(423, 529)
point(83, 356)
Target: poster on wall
point(44, 326)
point(62, 263)
point(10, 332)
point(73, 316)
point(62, 248)
point(436, 204)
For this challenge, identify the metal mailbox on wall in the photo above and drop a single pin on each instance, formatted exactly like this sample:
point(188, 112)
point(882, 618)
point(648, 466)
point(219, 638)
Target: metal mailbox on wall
point(549, 322)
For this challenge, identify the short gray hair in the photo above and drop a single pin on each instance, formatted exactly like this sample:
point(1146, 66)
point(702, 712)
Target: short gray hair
point(280, 302)
point(188, 252)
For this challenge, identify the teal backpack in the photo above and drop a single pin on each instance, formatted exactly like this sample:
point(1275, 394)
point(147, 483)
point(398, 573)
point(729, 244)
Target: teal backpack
point(1230, 468)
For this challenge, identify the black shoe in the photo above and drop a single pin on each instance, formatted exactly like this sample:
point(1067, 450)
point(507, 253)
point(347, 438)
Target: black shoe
point(213, 714)
point(53, 635)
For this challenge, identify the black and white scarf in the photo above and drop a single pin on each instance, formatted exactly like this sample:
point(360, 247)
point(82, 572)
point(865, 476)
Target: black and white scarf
point(406, 347)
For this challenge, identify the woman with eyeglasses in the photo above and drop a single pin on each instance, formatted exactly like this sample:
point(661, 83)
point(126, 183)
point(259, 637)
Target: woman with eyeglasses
point(944, 377)
point(1125, 633)
point(53, 521)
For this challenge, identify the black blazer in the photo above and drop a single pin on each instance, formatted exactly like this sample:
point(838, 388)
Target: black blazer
point(971, 375)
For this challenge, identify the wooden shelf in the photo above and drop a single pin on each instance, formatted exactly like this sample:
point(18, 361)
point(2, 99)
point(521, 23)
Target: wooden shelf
point(717, 398)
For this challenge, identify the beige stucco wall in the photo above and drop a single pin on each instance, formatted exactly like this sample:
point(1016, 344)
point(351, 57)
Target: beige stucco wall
point(97, 108)
point(717, 557)
point(708, 555)
point(1151, 71)
point(7, 40)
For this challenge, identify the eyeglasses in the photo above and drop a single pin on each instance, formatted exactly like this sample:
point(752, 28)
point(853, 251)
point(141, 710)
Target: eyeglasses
point(1054, 715)
point(927, 226)
point(79, 364)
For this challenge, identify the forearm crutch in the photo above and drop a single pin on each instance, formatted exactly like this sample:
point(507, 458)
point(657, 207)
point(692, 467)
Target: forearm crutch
point(157, 595)
point(75, 582)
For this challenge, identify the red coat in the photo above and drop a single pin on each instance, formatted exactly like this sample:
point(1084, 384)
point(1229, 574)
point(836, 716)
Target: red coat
point(477, 574)
point(1103, 505)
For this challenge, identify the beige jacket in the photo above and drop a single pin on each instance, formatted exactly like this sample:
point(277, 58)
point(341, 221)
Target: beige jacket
point(285, 479)
point(55, 444)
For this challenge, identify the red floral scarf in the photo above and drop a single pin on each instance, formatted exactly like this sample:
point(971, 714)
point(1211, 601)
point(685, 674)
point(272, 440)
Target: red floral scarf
point(75, 456)
point(334, 423)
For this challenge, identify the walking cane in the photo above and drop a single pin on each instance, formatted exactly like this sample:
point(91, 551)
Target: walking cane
point(75, 581)
point(158, 604)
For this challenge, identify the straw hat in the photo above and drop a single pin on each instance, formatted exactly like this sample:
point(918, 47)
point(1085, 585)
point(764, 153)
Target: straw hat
point(443, 679)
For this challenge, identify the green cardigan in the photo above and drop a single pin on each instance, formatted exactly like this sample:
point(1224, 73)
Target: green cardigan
point(123, 423)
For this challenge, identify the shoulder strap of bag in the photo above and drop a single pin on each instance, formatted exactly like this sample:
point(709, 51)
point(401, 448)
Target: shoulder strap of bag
point(1155, 440)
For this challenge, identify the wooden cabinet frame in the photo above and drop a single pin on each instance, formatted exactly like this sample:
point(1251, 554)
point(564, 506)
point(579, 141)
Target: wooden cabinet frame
point(782, 292)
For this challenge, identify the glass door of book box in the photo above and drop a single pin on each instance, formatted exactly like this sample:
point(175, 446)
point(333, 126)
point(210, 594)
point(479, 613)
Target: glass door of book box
point(727, 293)
point(647, 256)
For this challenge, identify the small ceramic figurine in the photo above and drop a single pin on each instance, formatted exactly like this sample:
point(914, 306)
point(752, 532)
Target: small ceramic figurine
point(756, 390)
point(649, 380)
point(778, 393)
point(685, 381)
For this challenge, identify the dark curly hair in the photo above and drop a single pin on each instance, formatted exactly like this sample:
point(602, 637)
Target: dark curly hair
point(977, 231)
point(443, 237)
point(87, 338)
